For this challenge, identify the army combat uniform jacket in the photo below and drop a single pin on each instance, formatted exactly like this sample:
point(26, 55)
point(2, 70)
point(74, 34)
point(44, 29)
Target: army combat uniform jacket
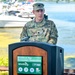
point(44, 31)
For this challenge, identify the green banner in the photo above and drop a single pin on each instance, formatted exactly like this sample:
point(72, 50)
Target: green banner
point(29, 64)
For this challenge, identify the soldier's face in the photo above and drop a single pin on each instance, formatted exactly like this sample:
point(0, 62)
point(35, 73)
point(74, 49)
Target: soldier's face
point(39, 14)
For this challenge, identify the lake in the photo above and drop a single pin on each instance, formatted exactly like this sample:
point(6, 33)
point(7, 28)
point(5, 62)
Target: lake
point(64, 12)
point(64, 18)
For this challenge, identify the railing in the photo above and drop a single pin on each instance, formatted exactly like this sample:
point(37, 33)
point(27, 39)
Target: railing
point(69, 71)
point(4, 68)
point(66, 71)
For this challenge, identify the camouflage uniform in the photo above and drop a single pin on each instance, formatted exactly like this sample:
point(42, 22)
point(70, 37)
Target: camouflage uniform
point(44, 31)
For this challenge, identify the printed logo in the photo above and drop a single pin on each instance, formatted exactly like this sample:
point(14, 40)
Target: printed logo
point(25, 69)
point(37, 70)
point(31, 69)
point(20, 69)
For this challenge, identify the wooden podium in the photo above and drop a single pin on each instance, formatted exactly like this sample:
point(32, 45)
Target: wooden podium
point(52, 57)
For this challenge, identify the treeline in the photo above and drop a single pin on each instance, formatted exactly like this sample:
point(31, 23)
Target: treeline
point(41, 0)
point(68, 1)
point(58, 1)
point(53, 0)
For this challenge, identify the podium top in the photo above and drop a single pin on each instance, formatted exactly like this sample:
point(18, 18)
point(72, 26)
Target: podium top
point(36, 44)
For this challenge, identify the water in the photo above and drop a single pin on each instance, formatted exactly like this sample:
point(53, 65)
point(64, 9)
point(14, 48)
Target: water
point(66, 16)
point(61, 11)
point(64, 12)
point(66, 32)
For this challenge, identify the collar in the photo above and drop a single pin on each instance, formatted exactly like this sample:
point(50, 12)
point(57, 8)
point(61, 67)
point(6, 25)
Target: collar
point(40, 23)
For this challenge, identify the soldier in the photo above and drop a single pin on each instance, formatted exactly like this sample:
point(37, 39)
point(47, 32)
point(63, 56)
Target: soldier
point(39, 29)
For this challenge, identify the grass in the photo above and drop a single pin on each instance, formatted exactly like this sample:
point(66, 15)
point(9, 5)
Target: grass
point(70, 56)
point(4, 73)
point(5, 40)
point(4, 61)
